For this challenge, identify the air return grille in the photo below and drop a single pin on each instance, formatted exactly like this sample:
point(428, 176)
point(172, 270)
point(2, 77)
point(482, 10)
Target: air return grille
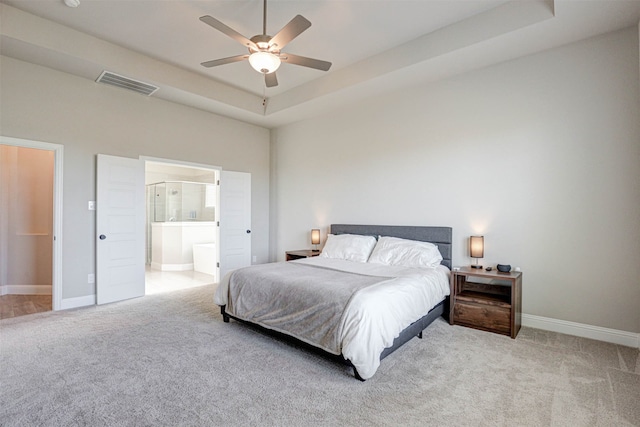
point(114, 79)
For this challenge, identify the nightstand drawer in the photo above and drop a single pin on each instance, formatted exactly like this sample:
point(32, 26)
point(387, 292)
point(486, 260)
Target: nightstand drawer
point(481, 316)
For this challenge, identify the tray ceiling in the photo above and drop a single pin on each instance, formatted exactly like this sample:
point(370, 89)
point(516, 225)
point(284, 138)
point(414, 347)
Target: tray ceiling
point(375, 46)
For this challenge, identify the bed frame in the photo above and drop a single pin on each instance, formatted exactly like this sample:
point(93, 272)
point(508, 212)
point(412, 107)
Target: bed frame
point(441, 236)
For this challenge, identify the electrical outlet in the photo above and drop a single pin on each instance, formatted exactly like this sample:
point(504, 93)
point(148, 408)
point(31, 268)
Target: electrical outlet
point(91, 278)
point(92, 205)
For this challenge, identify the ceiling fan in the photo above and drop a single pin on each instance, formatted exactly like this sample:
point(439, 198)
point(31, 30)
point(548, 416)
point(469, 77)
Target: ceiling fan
point(265, 53)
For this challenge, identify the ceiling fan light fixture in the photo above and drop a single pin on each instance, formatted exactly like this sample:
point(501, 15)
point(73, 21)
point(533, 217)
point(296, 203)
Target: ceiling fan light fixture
point(264, 62)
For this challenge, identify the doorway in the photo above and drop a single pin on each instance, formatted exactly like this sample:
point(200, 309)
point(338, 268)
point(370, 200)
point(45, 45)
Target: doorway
point(182, 225)
point(30, 226)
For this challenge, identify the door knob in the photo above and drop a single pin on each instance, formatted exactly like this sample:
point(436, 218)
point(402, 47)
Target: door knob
point(102, 237)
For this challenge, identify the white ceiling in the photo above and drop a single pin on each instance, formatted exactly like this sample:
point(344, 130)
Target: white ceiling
point(375, 46)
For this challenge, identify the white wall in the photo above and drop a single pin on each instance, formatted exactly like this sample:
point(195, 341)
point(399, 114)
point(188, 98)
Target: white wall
point(88, 118)
point(540, 155)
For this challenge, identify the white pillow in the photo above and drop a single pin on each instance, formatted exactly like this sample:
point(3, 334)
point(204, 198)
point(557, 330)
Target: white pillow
point(348, 246)
point(407, 253)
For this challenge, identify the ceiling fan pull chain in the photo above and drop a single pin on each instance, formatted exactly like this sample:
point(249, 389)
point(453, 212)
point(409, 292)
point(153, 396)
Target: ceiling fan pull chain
point(264, 100)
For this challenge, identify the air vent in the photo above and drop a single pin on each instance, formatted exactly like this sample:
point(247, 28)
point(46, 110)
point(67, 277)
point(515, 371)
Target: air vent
point(113, 79)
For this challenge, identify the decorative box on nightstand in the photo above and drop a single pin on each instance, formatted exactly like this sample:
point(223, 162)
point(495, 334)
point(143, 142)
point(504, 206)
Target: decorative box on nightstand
point(305, 253)
point(487, 300)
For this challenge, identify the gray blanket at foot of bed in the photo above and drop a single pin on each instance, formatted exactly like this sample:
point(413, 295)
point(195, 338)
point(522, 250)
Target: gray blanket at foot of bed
point(304, 301)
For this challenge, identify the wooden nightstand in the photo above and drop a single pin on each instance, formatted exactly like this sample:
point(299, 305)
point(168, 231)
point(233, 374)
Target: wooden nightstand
point(494, 306)
point(305, 253)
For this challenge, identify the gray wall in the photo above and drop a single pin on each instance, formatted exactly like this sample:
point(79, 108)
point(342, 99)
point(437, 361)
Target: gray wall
point(539, 154)
point(41, 104)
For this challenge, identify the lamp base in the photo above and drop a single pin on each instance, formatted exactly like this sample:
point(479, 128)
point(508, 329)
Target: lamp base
point(476, 266)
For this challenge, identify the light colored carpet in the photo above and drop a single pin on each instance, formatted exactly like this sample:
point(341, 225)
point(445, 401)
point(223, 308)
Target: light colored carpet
point(169, 360)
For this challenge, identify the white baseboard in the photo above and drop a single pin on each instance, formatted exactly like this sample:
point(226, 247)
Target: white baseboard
point(25, 290)
point(68, 303)
point(629, 339)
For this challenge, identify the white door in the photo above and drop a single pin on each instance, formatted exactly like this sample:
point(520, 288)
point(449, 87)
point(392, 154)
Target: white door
point(120, 218)
point(235, 221)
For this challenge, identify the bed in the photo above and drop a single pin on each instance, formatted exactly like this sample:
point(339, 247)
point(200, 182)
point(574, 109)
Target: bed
point(371, 290)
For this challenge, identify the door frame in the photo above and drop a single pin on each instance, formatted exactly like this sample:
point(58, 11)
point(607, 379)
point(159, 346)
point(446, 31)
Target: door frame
point(171, 162)
point(58, 154)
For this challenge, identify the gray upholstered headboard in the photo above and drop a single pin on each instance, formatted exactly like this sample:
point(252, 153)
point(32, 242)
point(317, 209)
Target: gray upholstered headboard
point(441, 236)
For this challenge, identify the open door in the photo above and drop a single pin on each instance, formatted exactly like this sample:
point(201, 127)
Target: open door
point(235, 221)
point(120, 218)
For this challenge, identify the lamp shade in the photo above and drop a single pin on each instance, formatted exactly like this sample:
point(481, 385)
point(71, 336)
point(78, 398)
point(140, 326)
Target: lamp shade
point(264, 62)
point(315, 236)
point(476, 246)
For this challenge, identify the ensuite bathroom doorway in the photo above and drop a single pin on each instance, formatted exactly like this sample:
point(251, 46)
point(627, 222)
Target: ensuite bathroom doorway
point(182, 232)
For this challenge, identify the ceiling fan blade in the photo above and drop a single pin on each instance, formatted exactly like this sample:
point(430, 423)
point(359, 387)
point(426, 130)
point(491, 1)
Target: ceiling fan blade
point(305, 62)
point(290, 31)
point(210, 20)
point(223, 61)
point(270, 79)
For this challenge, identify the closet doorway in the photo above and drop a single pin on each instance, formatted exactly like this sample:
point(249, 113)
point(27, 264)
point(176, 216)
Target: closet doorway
point(182, 225)
point(30, 193)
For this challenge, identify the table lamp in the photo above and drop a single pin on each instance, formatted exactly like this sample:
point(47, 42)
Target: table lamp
point(315, 238)
point(476, 249)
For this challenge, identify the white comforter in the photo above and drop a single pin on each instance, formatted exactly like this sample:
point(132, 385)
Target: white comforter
point(376, 315)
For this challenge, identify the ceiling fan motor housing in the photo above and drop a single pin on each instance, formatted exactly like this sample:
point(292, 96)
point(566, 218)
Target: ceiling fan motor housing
point(262, 42)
